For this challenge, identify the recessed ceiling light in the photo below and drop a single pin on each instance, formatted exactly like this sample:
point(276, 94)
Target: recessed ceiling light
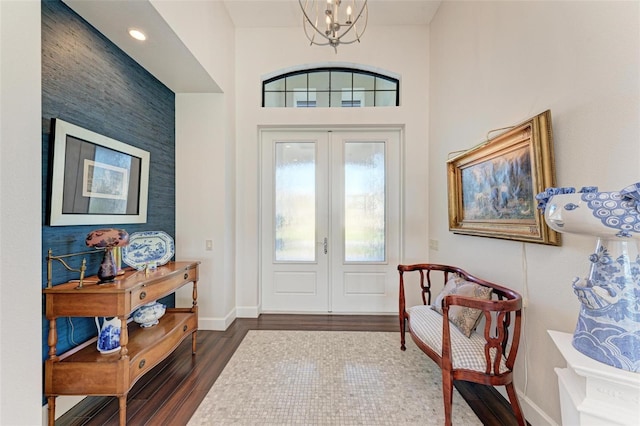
point(137, 34)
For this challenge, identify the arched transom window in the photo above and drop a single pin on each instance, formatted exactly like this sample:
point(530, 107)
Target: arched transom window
point(330, 88)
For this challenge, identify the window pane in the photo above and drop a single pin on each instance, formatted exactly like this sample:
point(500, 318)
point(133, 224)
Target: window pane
point(298, 81)
point(276, 85)
point(336, 99)
point(363, 81)
point(304, 99)
point(369, 98)
point(274, 99)
point(341, 80)
point(291, 99)
point(295, 202)
point(364, 201)
point(384, 84)
point(359, 98)
point(386, 98)
point(319, 80)
point(322, 99)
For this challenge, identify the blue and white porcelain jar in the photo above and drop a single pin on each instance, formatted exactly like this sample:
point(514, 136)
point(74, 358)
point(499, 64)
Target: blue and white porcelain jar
point(608, 328)
point(149, 314)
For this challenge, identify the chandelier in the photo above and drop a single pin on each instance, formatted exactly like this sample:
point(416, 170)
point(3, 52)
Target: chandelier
point(325, 19)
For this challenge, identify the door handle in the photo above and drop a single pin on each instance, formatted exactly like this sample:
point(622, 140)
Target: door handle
point(325, 245)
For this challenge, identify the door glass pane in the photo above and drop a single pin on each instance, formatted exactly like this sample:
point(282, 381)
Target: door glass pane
point(295, 202)
point(364, 201)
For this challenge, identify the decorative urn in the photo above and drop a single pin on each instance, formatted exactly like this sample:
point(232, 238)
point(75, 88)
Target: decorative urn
point(608, 328)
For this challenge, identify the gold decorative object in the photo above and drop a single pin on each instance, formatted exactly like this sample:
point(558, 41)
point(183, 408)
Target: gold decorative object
point(60, 258)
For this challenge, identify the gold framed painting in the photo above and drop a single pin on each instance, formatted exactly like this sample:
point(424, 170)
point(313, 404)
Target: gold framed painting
point(492, 187)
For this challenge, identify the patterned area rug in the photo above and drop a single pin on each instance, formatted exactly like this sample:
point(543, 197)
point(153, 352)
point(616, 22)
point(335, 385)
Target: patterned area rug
point(328, 378)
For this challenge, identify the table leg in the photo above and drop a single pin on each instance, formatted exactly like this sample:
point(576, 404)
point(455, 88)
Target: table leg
point(51, 410)
point(123, 409)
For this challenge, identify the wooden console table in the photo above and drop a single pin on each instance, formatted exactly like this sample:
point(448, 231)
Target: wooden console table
point(85, 371)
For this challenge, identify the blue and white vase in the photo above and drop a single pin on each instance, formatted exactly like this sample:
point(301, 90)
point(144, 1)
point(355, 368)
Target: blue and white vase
point(608, 327)
point(108, 335)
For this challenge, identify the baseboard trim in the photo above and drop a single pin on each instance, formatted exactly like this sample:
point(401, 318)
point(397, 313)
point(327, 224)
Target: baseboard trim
point(247, 311)
point(533, 413)
point(216, 324)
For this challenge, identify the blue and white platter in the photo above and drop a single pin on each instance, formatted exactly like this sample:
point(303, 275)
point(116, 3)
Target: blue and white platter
point(149, 248)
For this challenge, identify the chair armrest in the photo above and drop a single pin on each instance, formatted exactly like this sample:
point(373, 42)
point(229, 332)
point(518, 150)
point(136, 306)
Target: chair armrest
point(498, 323)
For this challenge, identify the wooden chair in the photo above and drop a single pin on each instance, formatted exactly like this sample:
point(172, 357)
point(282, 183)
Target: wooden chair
point(487, 356)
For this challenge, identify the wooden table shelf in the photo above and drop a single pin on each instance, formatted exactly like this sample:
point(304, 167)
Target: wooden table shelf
point(85, 371)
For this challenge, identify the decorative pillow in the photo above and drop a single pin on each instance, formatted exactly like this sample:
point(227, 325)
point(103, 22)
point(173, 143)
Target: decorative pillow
point(462, 317)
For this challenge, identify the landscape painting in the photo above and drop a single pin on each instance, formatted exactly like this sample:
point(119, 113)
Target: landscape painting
point(492, 187)
point(499, 188)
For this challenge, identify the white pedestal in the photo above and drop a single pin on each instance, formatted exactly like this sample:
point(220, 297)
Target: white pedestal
point(594, 393)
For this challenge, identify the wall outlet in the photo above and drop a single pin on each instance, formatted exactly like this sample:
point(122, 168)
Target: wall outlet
point(433, 244)
point(208, 245)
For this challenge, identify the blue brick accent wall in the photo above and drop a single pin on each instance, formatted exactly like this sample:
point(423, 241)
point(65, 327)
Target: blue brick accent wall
point(88, 81)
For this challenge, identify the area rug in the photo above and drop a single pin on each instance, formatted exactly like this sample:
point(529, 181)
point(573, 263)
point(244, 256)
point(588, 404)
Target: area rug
point(328, 378)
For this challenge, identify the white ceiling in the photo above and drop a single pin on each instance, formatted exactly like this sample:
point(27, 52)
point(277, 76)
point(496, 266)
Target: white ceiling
point(286, 13)
point(170, 61)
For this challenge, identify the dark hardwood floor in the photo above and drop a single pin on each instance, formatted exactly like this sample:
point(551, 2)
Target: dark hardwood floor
point(170, 393)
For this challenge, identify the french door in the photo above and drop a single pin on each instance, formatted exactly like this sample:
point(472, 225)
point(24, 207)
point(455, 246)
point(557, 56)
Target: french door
point(330, 221)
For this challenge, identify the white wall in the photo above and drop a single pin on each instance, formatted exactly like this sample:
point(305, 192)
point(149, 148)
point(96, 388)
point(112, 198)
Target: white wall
point(262, 51)
point(20, 214)
point(205, 159)
point(494, 64)
point(203, 198)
